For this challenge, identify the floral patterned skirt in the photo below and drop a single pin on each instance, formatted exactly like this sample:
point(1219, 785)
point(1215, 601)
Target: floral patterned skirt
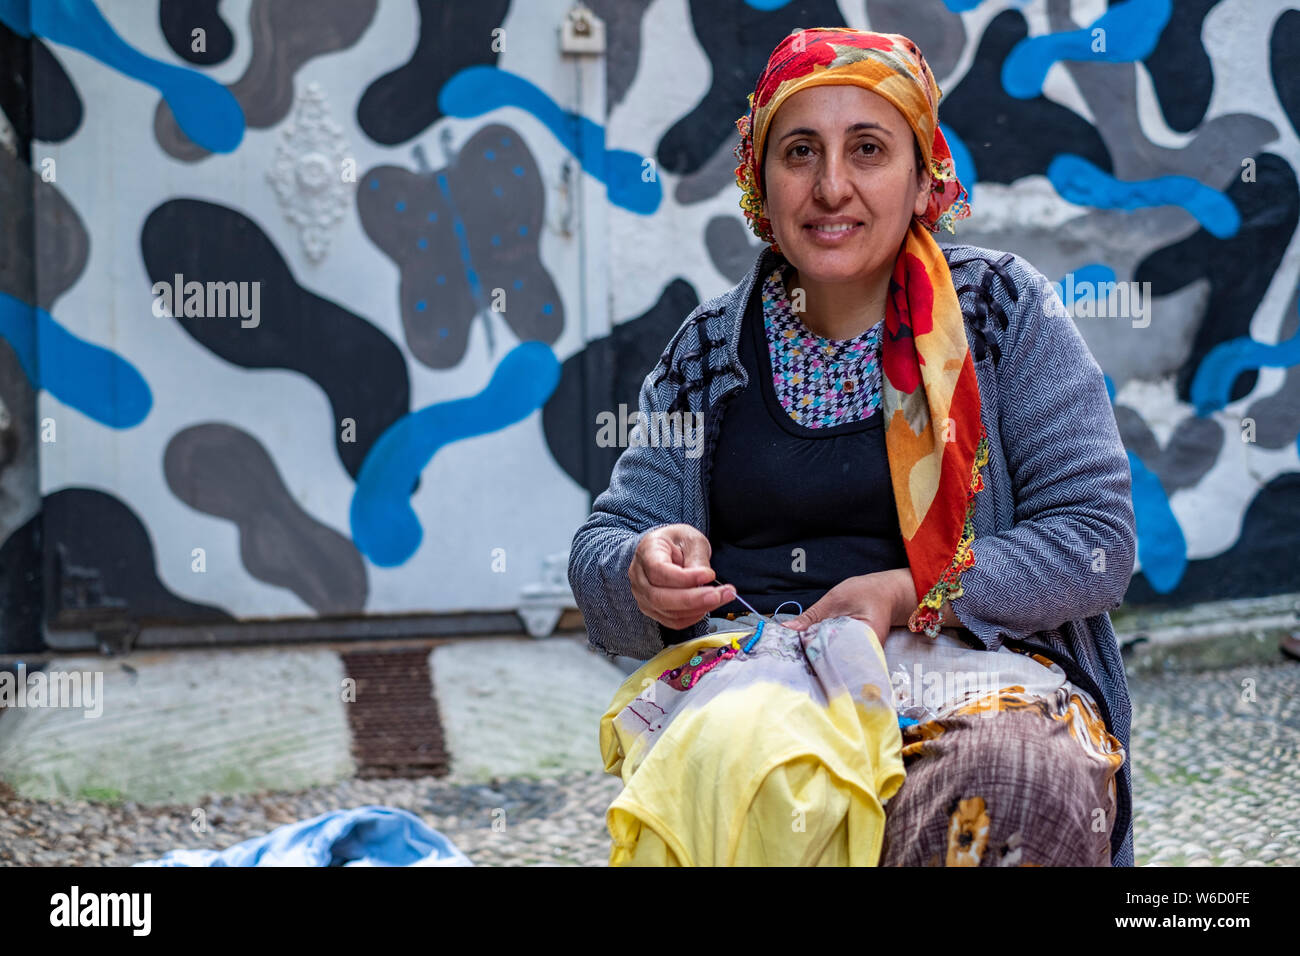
point(1008, 763)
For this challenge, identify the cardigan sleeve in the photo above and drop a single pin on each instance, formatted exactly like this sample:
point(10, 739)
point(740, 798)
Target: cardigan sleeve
point(644, 493)
point(1071, 551)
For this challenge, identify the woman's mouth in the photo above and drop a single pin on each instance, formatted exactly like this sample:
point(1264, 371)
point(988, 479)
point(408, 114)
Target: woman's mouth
point(833, 233)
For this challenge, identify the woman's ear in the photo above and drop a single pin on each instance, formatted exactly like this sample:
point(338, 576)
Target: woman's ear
point(922, 199)
point(923, 185)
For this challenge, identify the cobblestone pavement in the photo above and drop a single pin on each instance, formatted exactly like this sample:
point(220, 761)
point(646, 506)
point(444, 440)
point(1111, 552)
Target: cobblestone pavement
point(1216, 766)
point(1214, 755)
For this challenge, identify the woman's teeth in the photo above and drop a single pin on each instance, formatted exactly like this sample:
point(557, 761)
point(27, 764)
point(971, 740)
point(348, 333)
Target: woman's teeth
point(841, 227)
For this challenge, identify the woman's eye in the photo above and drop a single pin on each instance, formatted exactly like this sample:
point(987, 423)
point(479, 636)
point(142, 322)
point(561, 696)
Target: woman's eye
point(871, 146)
point(795, 150)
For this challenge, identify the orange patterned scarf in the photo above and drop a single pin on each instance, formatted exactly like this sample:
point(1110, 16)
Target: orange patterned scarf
point(934, 436)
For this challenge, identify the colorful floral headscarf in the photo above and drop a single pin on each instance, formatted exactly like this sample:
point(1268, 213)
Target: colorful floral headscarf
point(934, 435)
point(889, 65)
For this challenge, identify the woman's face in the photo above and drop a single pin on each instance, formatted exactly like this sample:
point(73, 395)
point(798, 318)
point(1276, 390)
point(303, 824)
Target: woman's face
point(836, 156)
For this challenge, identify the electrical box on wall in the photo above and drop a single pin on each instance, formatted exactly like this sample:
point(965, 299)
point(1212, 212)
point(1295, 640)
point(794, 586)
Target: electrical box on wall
point(582, 32)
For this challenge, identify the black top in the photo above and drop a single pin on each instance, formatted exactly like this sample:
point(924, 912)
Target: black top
point(777, 486)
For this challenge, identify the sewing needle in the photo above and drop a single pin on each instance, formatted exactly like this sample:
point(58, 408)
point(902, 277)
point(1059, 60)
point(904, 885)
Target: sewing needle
point(748, 605)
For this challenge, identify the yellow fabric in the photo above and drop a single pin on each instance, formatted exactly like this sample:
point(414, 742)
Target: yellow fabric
point(762, 776)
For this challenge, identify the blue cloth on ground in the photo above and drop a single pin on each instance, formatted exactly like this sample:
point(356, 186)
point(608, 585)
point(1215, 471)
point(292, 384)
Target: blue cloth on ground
point(364, 836)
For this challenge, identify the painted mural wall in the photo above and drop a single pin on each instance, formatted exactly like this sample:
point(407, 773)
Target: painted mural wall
point(308, 307)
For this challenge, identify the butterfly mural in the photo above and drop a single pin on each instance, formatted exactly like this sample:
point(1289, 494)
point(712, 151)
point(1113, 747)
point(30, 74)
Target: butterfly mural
point(465, 239)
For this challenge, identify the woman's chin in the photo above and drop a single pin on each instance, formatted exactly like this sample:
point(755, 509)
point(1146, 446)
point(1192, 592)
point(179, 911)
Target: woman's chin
point(821, 265)
point(823, 255)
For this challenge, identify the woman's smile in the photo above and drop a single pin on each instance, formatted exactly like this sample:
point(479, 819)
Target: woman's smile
point(833, 232)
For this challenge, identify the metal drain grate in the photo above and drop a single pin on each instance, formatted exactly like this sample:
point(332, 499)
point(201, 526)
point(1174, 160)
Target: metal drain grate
point(395, 727)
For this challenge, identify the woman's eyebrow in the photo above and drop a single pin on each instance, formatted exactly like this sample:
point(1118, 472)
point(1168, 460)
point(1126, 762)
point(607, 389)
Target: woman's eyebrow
point(809, 131)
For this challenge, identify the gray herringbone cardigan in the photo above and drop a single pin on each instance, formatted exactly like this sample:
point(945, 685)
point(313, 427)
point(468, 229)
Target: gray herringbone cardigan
point(1055, 532)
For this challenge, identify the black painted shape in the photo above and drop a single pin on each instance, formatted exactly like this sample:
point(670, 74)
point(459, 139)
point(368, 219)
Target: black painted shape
point(1180, 68)
point(738, 41)
point(20, 590)
point(15, 88)
point(1284, 64)
point(96, 531)
point(1010, 138)
point(453, 36)
point(58, 109)
point(29, 71)
point(36, 93)
point(357, 366)
point(178, 19)
point(1239, 269)
point(609, 371)
point(1261, 561)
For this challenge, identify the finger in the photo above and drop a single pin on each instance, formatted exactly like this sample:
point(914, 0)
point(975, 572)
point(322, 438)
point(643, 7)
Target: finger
point(695, 548)
point(651, 601)
point(690, 617)
point(691, 600)
point(818, 612)
point(661, 571)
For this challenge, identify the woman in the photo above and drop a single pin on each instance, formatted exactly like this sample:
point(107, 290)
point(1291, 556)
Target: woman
point(984, 500)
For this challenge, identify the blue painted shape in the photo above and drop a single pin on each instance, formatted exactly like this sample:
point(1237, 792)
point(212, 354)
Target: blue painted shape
point(16, 14)
point(205, 110)
point(962, 161)
point(1212, 383)
point(95, 381)
point(1162, 549)
point(1091, 274)
point(771, 4)
point(1132, 31)
point(384, 525)
point(1082, 183)
point(18, 328)
point(961, 6)
point(477, 90)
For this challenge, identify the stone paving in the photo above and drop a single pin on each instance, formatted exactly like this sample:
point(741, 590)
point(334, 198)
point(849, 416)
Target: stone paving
point(1215, 744)
point(1216, 761)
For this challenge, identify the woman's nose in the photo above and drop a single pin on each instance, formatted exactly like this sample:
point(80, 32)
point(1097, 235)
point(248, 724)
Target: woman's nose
point(831, 185)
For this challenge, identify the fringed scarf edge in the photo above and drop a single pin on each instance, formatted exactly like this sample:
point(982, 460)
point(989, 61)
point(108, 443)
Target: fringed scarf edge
point(928, 616)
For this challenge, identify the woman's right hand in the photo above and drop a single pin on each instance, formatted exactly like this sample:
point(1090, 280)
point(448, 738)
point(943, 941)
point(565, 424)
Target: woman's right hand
point(670, 576)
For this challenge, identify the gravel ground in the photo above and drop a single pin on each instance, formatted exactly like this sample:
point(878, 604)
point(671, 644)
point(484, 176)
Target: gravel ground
point(1216, 773)
point(559, 821)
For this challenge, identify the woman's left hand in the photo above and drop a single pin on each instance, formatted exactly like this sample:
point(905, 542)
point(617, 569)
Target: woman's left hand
point(879, 599)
